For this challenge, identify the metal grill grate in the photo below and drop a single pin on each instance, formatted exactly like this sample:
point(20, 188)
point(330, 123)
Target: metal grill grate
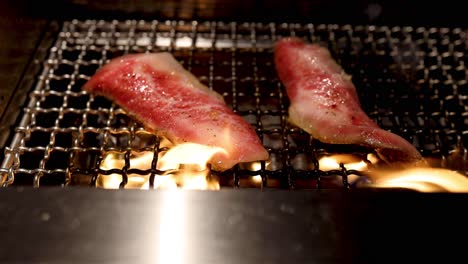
point(411, 81)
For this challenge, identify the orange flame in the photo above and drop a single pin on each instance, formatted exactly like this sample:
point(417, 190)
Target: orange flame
point(256, 166)
point(186, 166)
point(414, 177)
point(188, 153)
point(421, 179)
point(115, 160)
point(350, 162)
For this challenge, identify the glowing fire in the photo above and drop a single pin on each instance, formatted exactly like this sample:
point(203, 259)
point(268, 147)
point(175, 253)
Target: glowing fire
point(421, 179)
point(349, 162)
point(256, 166)
point(185, 165)
point(114, 160)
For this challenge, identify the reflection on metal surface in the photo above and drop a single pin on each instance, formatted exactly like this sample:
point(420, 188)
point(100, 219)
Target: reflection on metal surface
point(420, 179)
point(172, 243)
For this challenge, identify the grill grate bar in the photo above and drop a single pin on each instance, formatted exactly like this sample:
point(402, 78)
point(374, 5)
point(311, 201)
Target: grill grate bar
point(66, 135)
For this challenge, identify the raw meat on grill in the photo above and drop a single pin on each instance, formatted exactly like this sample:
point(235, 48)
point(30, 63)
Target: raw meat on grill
point(170, 101)
point(324, 101)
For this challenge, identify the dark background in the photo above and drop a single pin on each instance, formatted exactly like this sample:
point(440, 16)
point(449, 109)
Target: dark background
point(401, 12)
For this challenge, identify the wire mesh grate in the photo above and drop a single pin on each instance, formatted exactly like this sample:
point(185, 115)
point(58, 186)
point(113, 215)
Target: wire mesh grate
point(411, 81)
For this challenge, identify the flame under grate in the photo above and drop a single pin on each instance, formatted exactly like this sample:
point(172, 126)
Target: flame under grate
point(411, 81)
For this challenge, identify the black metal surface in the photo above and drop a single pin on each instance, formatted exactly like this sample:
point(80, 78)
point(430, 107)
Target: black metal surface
point(54, 225)
point(381, 12)
point(411, 81)
point(20, 37)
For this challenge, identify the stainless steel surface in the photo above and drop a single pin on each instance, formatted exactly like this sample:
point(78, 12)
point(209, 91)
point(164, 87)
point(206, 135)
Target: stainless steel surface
point(411, 81)
point(80, 225)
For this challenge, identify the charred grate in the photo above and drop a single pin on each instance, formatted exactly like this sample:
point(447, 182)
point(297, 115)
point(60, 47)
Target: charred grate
point(412, 81)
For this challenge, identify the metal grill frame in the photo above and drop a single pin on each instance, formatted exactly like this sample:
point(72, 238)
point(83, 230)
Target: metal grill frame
point(419, 69)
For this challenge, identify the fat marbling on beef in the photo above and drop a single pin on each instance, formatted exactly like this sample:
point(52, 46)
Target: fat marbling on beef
point(170, 101)
point(324, 101)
